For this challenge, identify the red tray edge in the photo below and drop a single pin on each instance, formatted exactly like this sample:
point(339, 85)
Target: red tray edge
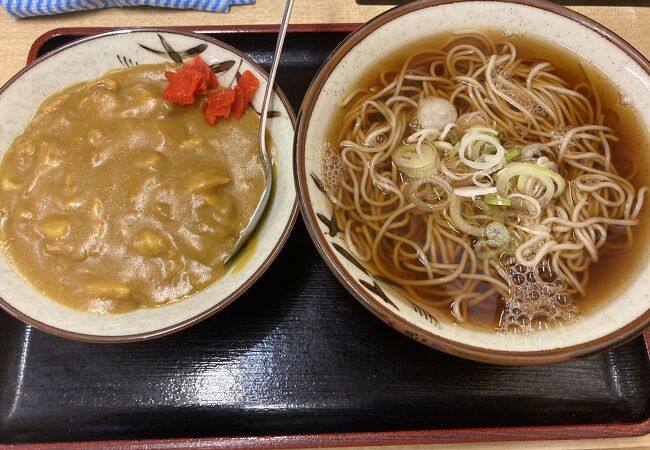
point(409, 437)
point(468, 435)
point(84, 31)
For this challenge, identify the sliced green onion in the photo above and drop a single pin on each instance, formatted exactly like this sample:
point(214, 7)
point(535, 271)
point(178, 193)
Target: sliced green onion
point(453, 152)
point(512, 154)
point(553, 183)
point(473, 191)
point(415, 165)
point(484, 130)
point(472, 119)
point(547, 163)
point(474, 150)
point(489, 149)
point(453, 137)
point(496, 200)
point(443, 146)
point(484, 136)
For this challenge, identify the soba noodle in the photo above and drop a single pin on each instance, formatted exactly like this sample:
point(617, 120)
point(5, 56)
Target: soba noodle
point(474, 174)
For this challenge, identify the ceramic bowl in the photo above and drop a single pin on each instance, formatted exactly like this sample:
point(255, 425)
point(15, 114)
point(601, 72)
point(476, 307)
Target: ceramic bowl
point(622, 318)
point(90, 58)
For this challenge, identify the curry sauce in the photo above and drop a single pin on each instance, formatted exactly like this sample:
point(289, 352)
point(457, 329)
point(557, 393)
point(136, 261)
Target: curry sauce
point(114, 199)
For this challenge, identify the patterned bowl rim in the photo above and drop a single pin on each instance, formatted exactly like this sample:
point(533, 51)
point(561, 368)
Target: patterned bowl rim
point(245, 285)
point(556, 355)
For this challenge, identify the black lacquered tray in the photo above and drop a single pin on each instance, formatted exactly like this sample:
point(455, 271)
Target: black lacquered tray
point(297, 361)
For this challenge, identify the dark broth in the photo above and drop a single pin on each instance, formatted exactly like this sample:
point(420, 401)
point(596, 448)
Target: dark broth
point(612, 273)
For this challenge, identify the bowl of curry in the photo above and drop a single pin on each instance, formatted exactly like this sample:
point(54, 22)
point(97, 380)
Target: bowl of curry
point(129, 167)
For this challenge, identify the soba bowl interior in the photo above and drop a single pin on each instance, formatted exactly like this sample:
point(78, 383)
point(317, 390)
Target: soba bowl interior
point(614, 322)
point(90, 58)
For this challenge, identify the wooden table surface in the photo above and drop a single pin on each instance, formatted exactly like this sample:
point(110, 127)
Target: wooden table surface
point(632, 23)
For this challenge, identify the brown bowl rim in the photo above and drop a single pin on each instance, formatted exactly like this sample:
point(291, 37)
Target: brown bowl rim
point(411, 330)
point(139, 337)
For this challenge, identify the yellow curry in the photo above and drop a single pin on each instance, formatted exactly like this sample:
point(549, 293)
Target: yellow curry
point(114, 199)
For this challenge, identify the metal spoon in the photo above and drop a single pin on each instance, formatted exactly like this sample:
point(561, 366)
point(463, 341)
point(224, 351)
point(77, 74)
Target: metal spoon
point(266, 162)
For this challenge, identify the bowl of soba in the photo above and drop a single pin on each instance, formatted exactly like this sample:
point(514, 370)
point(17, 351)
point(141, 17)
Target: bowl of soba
point(130, 166)
point(475, 174)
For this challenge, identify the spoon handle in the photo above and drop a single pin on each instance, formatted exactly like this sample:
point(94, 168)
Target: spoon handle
point(274, 65)
point(266, 162)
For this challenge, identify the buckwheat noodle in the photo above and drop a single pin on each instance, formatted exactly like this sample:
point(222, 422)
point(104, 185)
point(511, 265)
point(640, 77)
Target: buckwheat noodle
point(474, 174)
